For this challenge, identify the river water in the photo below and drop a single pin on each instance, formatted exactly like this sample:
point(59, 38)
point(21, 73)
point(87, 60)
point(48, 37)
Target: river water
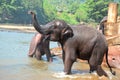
point(16, 65)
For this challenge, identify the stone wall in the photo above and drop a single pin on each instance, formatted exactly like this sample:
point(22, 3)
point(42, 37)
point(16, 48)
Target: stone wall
point(112, 32)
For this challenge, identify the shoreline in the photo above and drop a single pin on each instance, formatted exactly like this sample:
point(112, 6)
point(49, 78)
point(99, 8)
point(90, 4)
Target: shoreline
point(21, 28)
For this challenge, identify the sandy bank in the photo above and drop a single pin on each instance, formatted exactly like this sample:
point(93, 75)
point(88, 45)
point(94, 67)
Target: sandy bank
point(23, 28)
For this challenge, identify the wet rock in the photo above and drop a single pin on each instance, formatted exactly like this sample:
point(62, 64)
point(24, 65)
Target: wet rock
point(57, 51)
point(114, 56)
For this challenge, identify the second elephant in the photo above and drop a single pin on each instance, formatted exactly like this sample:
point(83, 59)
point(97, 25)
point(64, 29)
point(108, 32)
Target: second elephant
point(39, 46)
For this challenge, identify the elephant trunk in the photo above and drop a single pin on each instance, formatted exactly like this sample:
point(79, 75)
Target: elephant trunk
point(40, 29)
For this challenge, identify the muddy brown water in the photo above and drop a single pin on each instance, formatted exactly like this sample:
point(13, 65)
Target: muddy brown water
point(16, 65)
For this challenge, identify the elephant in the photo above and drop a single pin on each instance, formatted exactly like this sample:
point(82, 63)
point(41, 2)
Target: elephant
point(102, 25)
point(39, 46)
point(113, 53)
point(79, 41)
point(35, 40)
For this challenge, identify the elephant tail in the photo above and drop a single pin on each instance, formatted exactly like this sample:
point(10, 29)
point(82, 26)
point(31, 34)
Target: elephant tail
point(113, 72)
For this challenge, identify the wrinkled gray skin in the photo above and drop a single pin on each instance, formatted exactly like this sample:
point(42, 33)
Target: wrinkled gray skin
point(79, 41)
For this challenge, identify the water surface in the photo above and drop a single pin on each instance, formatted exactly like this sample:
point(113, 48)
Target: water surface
point(16, 65)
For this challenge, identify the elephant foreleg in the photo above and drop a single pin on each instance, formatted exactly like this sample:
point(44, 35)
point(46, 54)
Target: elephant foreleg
point(47, 50)
point(70, 58)
point(63, 56)
point(39, 52)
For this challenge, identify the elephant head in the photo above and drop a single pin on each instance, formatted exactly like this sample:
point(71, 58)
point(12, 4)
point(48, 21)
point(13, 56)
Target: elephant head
point(102, 25)
point(56, 30)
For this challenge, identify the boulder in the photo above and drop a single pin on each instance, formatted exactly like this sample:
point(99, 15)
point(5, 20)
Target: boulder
point(113, 56)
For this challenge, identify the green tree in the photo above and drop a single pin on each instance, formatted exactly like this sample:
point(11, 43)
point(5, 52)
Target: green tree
point(81, 13)
point(72, 11)
point(15, 11)
point(119, 8)
point(62, 9)
point(97, 9)
point(21, 16)
point(6, 8)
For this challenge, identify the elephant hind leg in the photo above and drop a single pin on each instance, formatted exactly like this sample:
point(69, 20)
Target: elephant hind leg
point(38, 55)
point(94, 66)
point(39, 52)
point(100, 56)
point(92, 63)
point(95, 62)
point(100, 71)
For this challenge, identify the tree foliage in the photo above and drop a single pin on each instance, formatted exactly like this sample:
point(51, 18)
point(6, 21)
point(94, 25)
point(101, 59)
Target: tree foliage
point(97, 9)
point(72, 11)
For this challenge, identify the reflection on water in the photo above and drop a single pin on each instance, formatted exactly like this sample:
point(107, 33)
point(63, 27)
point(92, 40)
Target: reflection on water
point(16, 65)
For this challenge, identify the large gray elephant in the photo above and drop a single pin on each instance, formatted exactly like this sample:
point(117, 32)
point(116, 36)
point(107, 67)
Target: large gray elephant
point(79, 41)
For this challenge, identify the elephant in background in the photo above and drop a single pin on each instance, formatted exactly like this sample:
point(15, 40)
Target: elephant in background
point(114, 51)
point(39, 46)
point(35, 40)
point(102, 25)
point(77, 41)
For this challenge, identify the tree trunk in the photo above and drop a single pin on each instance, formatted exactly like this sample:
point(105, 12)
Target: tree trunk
point(112, 13)
point(111, 28)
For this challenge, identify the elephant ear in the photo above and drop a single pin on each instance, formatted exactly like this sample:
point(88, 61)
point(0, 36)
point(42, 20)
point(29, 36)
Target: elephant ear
point(67, 32)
